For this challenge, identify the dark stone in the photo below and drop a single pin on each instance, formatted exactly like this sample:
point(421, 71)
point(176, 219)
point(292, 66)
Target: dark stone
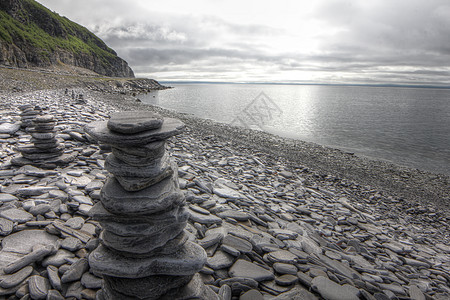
point(100, 131)
point(130, 122)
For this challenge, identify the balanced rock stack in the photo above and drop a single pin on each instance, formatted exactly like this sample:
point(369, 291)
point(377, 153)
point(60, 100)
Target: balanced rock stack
point(28, 113)
point(144, 252)
point(43, 149)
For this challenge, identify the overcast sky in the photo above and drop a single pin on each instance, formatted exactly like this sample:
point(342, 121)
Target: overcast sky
point(323, 41)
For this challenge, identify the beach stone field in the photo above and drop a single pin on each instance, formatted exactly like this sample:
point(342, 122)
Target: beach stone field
point(271, 228)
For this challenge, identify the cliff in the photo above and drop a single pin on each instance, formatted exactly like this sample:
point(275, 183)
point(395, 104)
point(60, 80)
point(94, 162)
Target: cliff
point(33, 36)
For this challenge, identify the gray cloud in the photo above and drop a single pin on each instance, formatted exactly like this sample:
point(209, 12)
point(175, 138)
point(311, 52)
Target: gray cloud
point(385, 40)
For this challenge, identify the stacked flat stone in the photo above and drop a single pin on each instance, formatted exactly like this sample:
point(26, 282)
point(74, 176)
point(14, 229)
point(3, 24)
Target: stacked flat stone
point(28, 114)
point(43, 149)
point(144, 252)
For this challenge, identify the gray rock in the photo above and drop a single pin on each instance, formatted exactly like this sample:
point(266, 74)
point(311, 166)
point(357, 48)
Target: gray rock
point(237, 243)
point(6, 226)
point(130, 122)
point(153, 199)
point(243, 268)
point(53, 277)
point(58, 259)
point(220, 260)
point(297, 293)
point(75, 222)
point(204, 219)
point(40, 209)
point(225, 292)
point(251, 295)
point(237, 215)
point(38, 253)
point(54, 295)
point(4, 198)
point(71, 244)
point(15, 279)
point(286, 280)
point(283, 268)
point(282, 256)
point(142, 288)
point(187, 261)
point(16, 215)
point(415, 293)
point(75, 271)
point(102, 133)
point(91, 281)
point(330, 290)
point(38, 287)
point(74, 290)
point(9, 128)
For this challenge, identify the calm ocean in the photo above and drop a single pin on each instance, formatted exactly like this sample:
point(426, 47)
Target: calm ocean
point(406, 126)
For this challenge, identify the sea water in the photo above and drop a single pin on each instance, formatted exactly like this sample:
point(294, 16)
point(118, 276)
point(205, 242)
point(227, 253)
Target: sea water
point(403, 125)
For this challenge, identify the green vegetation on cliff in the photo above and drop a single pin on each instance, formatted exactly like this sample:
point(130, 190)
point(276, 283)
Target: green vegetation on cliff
point(44, 38)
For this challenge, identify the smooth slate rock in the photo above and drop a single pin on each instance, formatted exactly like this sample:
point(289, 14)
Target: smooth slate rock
point(142, 288)
point(130, 122)
point(16, 215)
point(53, 277)
point(16, 278)
point(220, 260)
point(153, 199)
point(7, 198)
point(9, 128)
point(187, 261)
point(75, 271)
point(99, 131)
point(237, 243)
point(330, 290)
point(91, 281)
point(204, 219)
point(243, 268)
point(6, 226)
point(38, 287)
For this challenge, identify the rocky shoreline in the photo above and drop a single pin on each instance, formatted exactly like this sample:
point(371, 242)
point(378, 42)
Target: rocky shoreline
point(279, 219)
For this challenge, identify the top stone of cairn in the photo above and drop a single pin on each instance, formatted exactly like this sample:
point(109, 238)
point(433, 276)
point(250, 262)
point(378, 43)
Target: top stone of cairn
point(130, 122)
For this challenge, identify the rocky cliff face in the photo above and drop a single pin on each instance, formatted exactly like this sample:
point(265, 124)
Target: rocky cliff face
point(33, 36)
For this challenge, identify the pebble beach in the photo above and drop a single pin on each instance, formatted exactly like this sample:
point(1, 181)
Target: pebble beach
point(278, 218)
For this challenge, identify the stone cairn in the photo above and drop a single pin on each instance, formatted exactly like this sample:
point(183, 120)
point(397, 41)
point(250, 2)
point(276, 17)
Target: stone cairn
point(28, 113)
point(44, 149)
point(144, 252)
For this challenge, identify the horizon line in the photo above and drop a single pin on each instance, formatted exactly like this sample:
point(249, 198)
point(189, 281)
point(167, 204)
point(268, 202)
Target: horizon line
point(403, 85)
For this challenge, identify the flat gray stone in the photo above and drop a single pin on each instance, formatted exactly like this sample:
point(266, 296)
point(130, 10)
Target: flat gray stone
point(297, 293)
point(187, 261)
point(9, 128)
point(150, 200)
point(38, 287)
point(75, 271)
point(16, 215)
point(142, 288)
point(251, 295)
point(282, 256)
point(330, 290)
point(91, 281)
point(99, 131)
point(7, 198)
point(129, 122)
point(6, 226)
point(204, 219)
point(237, 243)
point(15, 279)
point(58, 259)
point(53, 277)
point(220, 260)
point(243, 268)
point(237, 215)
